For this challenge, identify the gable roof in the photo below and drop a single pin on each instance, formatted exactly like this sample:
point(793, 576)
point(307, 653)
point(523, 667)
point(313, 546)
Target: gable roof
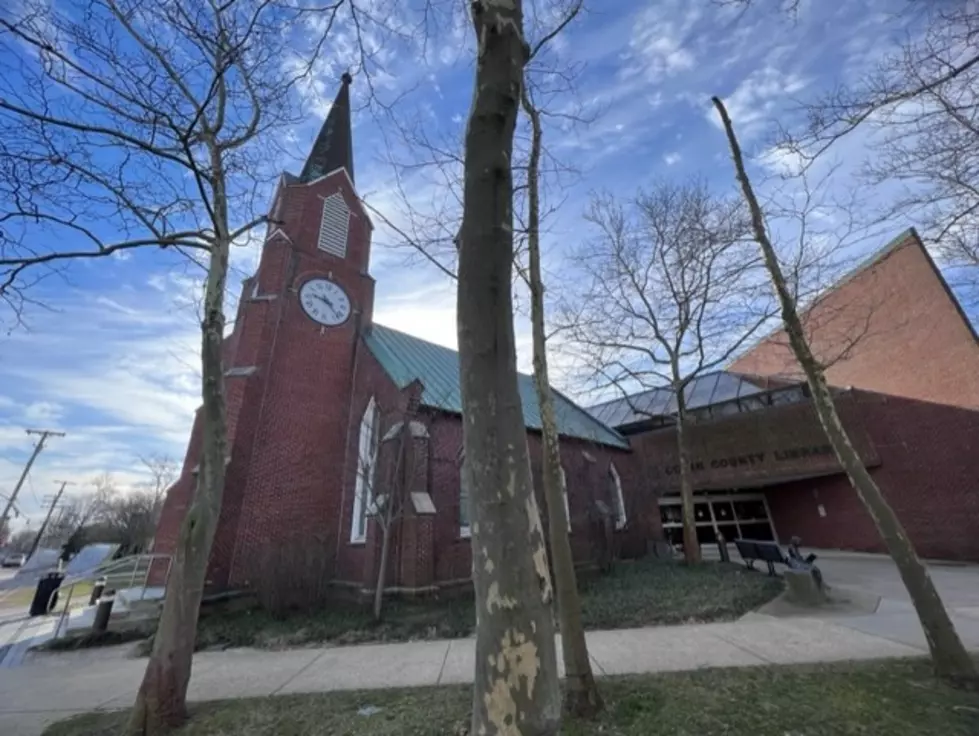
point(406, 358)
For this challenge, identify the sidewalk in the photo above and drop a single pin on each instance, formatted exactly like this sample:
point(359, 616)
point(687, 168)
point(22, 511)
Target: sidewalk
point(52, 687)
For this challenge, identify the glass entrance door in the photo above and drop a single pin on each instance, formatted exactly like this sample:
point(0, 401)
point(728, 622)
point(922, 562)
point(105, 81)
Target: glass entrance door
point(735, 515)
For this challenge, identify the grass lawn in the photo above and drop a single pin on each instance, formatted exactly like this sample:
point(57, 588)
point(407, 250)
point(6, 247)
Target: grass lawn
point(641, 593)
point(894, 698)
point(22, 597)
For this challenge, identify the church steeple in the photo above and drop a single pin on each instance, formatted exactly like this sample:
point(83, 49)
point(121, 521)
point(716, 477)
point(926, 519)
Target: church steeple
point(333, 148)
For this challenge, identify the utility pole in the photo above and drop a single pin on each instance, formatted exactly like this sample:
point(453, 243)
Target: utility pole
point(44, 433)
point(51, 508)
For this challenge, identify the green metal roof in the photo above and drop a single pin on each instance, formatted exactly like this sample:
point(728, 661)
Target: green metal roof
point(406, 358)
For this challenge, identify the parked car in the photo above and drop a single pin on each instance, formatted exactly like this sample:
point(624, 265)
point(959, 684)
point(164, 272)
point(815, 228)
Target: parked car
point(14, 559)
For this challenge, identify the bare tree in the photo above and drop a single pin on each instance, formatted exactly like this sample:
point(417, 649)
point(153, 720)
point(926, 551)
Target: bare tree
point(431, 229)
point(163, 472)
point(516, 688)
point(950, 658)
point(129, 519)
point(919, 110)
point(126, 125)
point(671, 292)
point(386, 493)
point(21, 541)
point(71, 524)
point(581, 694)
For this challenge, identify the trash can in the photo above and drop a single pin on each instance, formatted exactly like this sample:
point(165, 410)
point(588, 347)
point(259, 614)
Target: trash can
point(46, 594)
point(102, 613)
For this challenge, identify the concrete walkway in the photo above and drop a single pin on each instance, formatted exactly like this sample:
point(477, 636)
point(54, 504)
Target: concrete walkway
point(48, 687)
point(51, 687)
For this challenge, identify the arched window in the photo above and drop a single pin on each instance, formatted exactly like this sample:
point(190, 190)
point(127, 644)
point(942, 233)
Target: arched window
point(617, 499)
point(366, 462)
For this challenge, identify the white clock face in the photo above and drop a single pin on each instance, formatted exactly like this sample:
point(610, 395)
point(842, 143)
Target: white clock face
point(325, 302)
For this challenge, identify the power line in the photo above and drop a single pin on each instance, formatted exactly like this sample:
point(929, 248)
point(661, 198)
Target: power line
point(30, 487)
point(44, 433)
point(47, 518)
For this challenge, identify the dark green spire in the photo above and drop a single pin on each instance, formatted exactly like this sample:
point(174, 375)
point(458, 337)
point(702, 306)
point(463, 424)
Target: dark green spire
point(333, 148)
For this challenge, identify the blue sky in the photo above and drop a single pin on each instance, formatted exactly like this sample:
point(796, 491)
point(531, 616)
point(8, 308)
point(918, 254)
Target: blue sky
point(112, 359)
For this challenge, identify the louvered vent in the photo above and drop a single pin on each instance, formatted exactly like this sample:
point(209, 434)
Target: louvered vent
point(333, 228)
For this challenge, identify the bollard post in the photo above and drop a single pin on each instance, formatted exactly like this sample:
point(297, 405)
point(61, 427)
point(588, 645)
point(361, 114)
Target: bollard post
point(102, 613)
point(97, 591)
point(722, 548)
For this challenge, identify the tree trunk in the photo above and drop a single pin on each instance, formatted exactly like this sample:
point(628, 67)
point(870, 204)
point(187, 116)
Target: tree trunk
point(161, 704)
point(950, 659)
point(516, 690)
point(691, 547)
point(581, 698)
point(382, 571)
point(400, 478)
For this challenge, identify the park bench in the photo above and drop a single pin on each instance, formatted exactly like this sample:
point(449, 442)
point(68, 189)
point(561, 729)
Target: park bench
point(753, 550)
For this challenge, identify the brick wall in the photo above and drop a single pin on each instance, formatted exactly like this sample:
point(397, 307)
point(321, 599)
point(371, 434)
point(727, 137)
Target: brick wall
point(292, 483)
point(587, 480)
point(179, 495)
point(923, 456)
point(917, 360)
point(892, 327)
point(929, 472)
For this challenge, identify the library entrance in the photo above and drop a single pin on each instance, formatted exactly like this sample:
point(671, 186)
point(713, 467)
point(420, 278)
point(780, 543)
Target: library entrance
point(735, 515)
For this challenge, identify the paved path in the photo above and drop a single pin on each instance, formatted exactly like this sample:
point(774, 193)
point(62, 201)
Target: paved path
point(49, 687)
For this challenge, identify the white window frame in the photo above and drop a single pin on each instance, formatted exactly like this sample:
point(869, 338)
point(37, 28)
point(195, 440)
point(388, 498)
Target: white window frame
point(367, 448)
point(620, 513)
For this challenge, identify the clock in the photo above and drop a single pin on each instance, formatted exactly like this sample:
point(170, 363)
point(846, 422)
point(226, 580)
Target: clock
point(324, 302)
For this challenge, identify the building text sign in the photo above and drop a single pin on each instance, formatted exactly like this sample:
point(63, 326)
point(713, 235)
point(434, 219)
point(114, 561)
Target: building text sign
point(758, 459)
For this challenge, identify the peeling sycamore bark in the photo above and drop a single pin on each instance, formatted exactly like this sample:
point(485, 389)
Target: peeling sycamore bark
point(950, 659)
point(581, 698)
point(516, 690)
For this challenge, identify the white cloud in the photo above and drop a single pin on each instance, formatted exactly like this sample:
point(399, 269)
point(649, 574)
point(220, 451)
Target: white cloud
point(44, 413)
point(118, 372)
point(782, 161)
point(429, 313)
point(672, 158)
point(657, 46)
point(756, 99)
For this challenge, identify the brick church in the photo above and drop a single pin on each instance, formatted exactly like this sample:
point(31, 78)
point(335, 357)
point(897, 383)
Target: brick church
point(317, 392)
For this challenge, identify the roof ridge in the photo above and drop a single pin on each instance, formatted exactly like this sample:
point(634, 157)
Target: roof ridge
point(584, 411)
point(871, 260)
point(629, 396)
point(381, 341)
point(413, 337)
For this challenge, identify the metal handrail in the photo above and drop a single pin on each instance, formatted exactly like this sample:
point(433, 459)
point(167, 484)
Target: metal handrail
point(104, 571)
